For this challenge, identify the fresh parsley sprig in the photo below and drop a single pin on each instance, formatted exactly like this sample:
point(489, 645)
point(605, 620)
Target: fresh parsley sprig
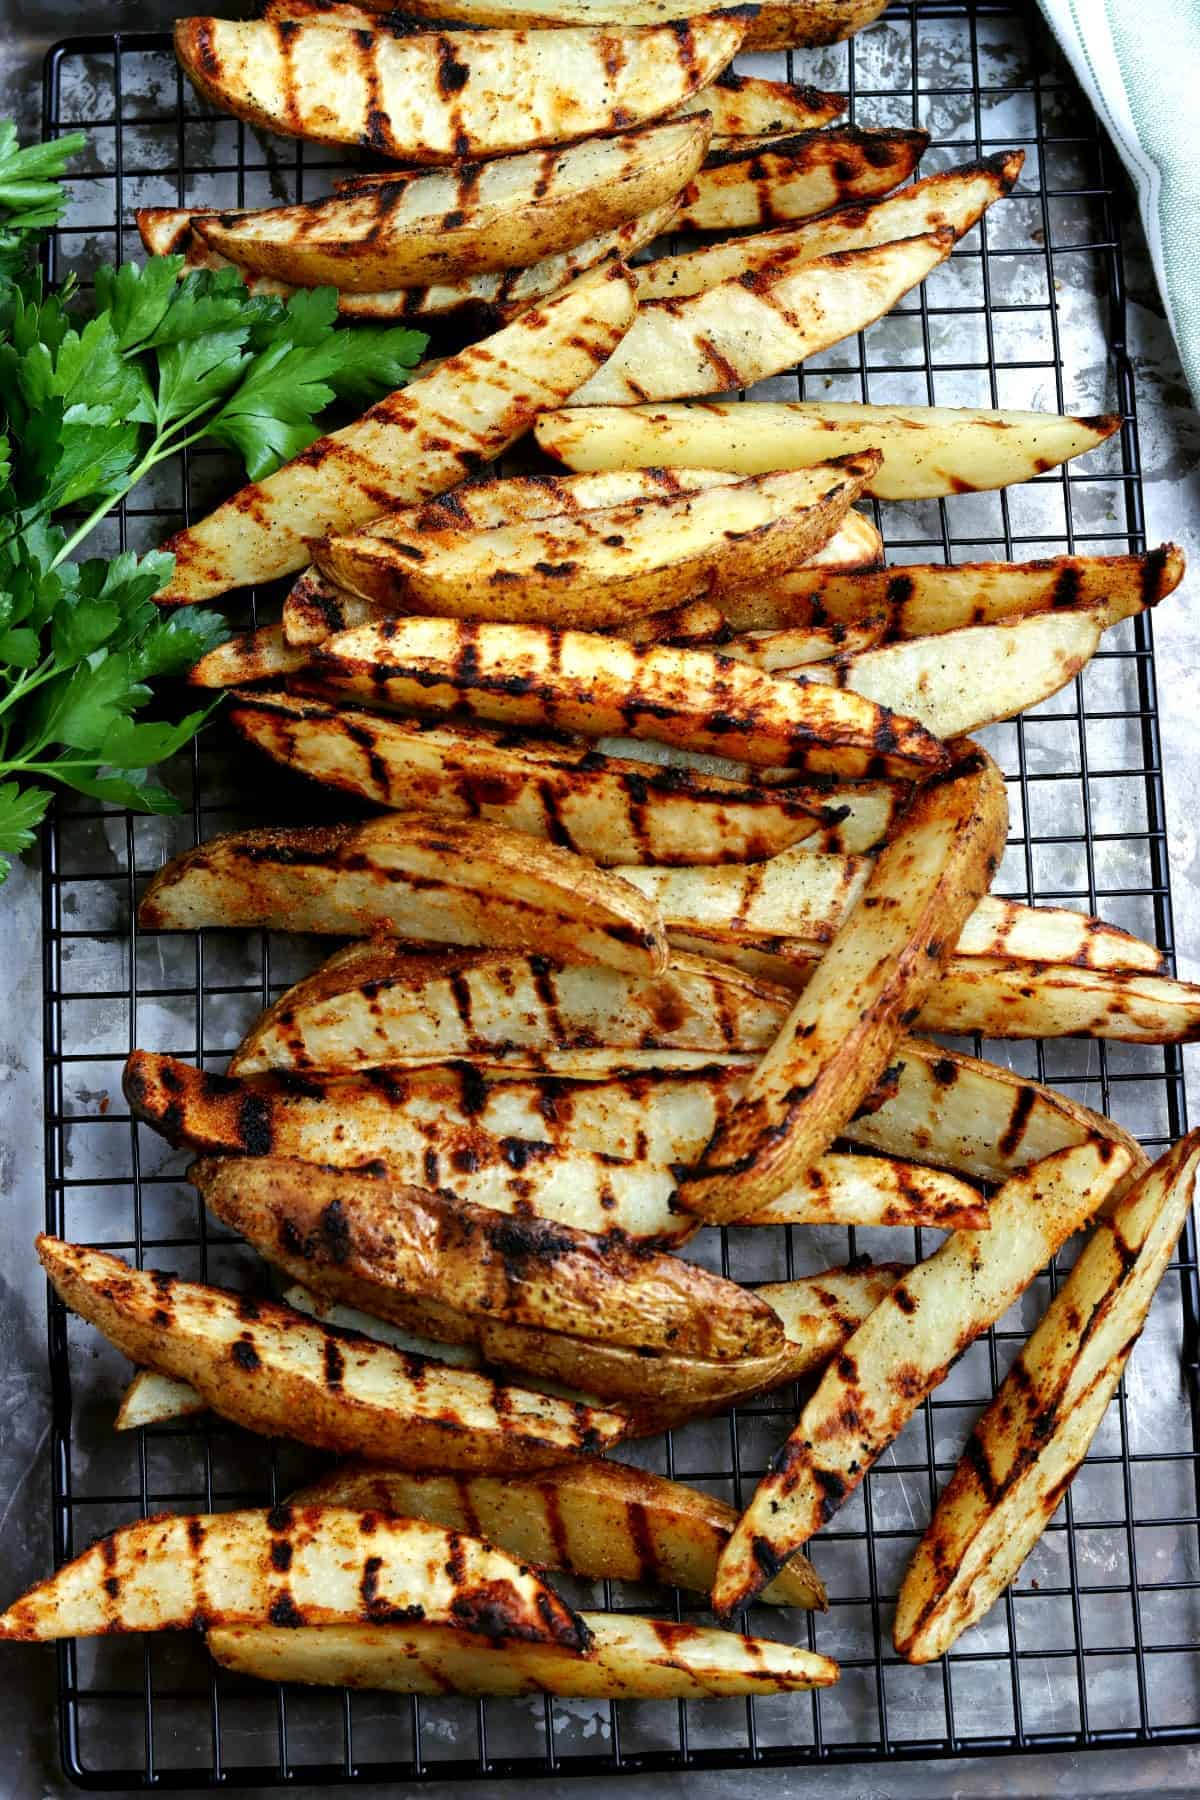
point(92, 402)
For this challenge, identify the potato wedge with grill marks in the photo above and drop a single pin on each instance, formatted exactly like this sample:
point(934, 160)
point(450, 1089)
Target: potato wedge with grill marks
point(868, 986)
point(295, 1565)
point(627, 1658)
point(416, 442)
point(430, 97)
point(361, 1237)
point(474, 219)
point(959, 681)
point(740, 332)
point(922, 599)
point(1028, 1444)
point(609, 808)
point(270, 1369)
point(607, 567)
point(1005, 999)
point(902, 1351)
point(775, 26)
point(767, 181)
point(441, 881)
point(516, 674)
point(808, 895)
point(956, 198)
point(928, 451)
point(600, 1520)
point(789, 652)
point(581, 1154)
point(498, 296)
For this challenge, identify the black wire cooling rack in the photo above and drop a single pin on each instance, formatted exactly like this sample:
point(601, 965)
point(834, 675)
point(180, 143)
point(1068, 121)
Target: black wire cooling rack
point(1096, 1643)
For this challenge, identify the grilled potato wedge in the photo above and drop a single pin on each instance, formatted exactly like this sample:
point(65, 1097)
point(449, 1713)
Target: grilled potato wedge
point(957, 198)
point(578, 681)
point(270, 1369)
point(928, 451)
point(873, 1190)
point(360, 1237)
point(961, 680)
point(153, 1399)
point(775, 26)
point(1028, 1444)
point(606, 567)
point(923, 599)
point(418, 441)
point(295, 1565)
point(609, 808)
point(601, 1520)
point(496, 296)
point(506, 1004)
point(447, 224)
point(461, 882)
point(869, 984)
point(790, 651)
point(1005, 999)
point(766, 181)
point(315, 609)
point(627, 1658)
point(806, 895)
point(434, 98)
point(740, 105)
point(740, 331)
point(260, 655)
point(902, 1351)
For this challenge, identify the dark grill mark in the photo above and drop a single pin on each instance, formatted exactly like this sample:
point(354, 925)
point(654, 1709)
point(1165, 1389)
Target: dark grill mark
point(284, 1611)
point(335, 1364)
point(281, 1555)
point(1019, 1118)
point(245, 1355)
point(255, 1131)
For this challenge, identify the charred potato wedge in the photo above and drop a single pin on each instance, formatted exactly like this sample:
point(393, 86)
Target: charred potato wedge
point(419, 441)
point(297, 1565)
point(600, 1520)
point(607, 567)
point(515, 674)
point(627, 1658)
point(1029, 1443)
point(928, 451)
point(436, 98)
point(609, 808)
point(869, 984)
point(270, 1369)
point(743, 330)
point(956, 199)
point(414, 877)
point(449, 224)
point(360, 1238)
point(497, 296)
point(768, 181)
point(260, 655)
point(902, 1351)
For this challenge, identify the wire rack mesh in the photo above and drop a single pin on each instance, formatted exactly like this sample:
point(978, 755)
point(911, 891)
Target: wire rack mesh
point(1095, 1644)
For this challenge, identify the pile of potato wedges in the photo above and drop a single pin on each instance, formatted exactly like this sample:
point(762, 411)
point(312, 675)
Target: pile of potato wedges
point(681, 847)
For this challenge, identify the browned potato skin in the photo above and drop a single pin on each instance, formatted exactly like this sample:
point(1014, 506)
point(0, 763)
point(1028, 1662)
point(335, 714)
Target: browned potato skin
point(360, 1238)
point(840, 1036)
point(745, 184)
point(663, 1391)
point(352, 880)
point(309, 1564)
point(600, 1520)
point(260, 655)
point(259, 1389)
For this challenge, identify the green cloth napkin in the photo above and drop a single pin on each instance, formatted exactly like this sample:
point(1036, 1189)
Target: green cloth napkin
point(1139, 62)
